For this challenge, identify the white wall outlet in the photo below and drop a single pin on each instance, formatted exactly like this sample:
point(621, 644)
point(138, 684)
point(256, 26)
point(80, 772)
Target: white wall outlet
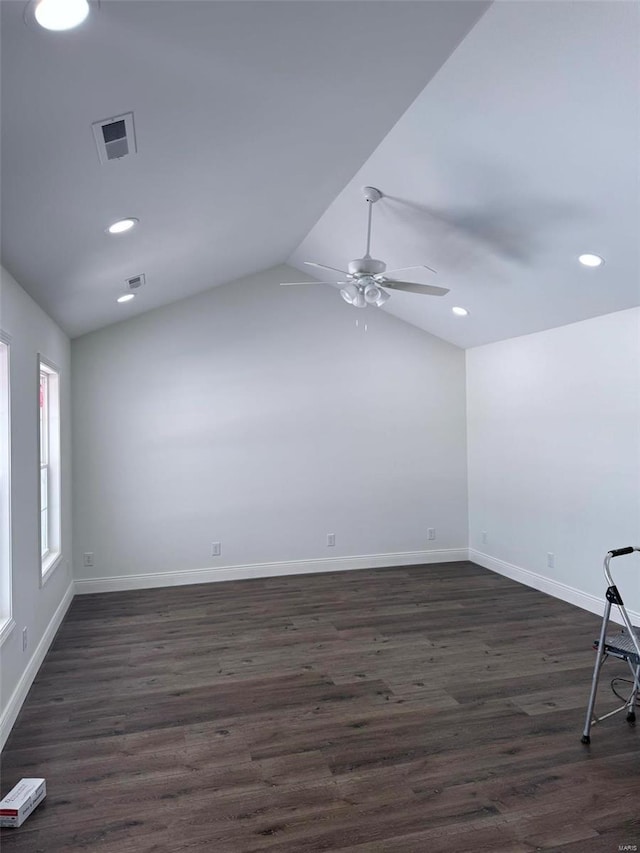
point(25, 639)
point(216, 549)
point(331, 540)
point(431, 533)
point(87, 559)
point(483, 534)
point(551, 560)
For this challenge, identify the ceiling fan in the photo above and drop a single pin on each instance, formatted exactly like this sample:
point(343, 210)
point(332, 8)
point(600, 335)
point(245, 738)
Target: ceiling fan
point(366, 276)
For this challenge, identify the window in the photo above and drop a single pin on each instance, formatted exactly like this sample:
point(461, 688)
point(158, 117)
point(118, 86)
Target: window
point(6, 622)
point(50, 479)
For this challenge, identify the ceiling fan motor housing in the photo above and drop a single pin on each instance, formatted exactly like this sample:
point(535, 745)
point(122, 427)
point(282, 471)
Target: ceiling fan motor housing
point(366, 266)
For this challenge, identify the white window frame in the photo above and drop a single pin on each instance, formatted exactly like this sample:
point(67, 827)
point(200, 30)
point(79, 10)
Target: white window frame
point(7, 623)
point(49, 439)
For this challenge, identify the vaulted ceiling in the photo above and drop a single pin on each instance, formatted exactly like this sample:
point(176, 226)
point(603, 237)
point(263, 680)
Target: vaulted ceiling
point(505, 139)
point(250, 118)
point(521, 154)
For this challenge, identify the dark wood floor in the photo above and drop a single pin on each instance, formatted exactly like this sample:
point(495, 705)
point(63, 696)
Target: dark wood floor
point(420, 710)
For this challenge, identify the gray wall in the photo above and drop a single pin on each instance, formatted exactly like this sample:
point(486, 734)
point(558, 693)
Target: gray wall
point(34, 607)
point(554, 454)
point(263, 417)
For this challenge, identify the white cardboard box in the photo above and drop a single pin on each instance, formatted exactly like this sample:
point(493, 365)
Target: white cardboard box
point(21, 801)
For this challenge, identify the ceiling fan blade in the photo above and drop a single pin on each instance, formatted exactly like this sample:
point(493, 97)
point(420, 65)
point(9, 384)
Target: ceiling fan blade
point(325, 267)
point(413, 287)
point(417, 267)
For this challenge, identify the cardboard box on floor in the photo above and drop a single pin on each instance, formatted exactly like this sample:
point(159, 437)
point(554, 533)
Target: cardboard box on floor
point(16, 807)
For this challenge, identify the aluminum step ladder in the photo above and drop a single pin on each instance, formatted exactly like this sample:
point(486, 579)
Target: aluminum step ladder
point(625, 645)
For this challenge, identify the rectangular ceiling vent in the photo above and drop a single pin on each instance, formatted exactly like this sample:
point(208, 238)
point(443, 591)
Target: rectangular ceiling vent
point(115, 137)
point(136, 282)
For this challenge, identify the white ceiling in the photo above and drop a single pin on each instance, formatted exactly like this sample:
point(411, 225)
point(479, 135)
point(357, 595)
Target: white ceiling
point(250, 118)
point(521, 153)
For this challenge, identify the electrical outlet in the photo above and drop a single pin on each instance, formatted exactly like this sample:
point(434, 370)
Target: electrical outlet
point(551, 560)
point(431, 533)
point(216, 549)
point(25, 639)
point(331, 540)
point(87, 559)
point(484, 537)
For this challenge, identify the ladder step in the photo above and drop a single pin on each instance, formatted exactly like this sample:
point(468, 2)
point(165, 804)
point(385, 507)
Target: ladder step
point(621, 646)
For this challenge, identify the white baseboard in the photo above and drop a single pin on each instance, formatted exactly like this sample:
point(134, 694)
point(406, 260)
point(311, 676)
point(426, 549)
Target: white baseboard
point(552, 587)
point(265, 570)
point(10, 713)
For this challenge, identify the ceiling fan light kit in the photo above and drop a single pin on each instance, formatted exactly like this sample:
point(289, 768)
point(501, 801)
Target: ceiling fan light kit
point(349, 293)
point(371, 293)
point(366, 277)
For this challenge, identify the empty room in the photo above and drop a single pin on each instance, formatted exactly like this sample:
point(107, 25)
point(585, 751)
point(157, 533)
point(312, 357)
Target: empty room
point(320, 426)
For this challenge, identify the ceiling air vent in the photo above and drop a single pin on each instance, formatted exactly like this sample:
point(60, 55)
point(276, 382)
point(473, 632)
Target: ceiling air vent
point(115, 137)
point(136, 282)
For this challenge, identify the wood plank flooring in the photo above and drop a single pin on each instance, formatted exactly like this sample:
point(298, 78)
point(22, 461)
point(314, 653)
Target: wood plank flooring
point(428, 709)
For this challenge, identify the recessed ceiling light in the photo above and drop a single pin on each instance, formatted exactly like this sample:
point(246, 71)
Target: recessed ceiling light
point(126, 297)
point(589, 260)
point(60, 14)
point(122, 225)
point(460, 312)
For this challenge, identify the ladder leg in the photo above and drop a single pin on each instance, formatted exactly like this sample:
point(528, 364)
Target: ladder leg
point(631, 705)
point(586, 738)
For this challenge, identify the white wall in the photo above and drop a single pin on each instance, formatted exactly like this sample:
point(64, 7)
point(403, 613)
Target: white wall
point(37, 608)
point(261, 416)
point(554, 455)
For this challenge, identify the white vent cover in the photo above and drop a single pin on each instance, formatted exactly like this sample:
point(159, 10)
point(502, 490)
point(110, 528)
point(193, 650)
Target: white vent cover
point(136, 282)
point(115, 137)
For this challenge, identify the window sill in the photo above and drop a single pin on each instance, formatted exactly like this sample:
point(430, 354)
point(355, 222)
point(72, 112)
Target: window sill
point(6, 627)
point(49, 565)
